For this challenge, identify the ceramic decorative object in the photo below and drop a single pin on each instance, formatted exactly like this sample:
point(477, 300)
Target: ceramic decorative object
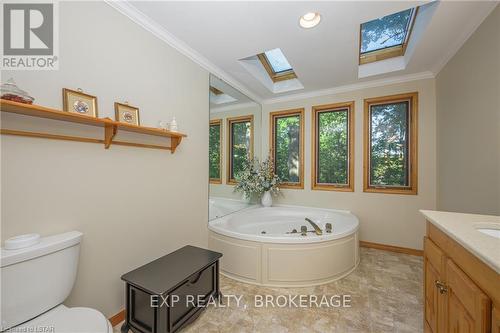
point(173, 125)
point(267, 199)
point(10, 91)
point(162, 124)
point(22, 241)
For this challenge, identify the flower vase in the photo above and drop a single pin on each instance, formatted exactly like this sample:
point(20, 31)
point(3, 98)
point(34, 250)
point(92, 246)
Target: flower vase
point(267, 199)
point(246, 198)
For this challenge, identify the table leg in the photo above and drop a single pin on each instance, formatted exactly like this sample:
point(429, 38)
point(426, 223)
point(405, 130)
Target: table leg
point(124, 328)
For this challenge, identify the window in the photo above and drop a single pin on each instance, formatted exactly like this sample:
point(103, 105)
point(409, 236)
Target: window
point(215, 151)
point(333, 140)
point(240, 145)
point(390, 163)
point(276, 65)
point(287, 146)
point(386, 37)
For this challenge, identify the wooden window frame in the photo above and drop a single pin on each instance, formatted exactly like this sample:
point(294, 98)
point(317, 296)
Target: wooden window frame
point(221, 135)
point(337, 107)
point(275, 77)
point(283, 114)
point(412, 98)
point(389, 52)
point(229, 159)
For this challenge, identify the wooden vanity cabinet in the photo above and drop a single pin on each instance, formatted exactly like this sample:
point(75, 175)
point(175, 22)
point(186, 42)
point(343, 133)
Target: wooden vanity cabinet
point(459, 289)
point(495, 320)
point(434, 260)
point(468, 309)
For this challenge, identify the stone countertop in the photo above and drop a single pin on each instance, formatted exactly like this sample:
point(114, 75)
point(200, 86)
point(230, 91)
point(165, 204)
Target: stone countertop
point(463, 229)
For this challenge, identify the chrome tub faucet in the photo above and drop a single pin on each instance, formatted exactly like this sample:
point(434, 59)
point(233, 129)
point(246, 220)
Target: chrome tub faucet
point(317, 229)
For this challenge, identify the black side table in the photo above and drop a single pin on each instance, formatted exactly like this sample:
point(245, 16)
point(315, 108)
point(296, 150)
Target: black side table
point(169, 292)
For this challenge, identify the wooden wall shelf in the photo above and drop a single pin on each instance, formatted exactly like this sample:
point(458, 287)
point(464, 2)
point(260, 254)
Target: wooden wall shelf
point(111, 127)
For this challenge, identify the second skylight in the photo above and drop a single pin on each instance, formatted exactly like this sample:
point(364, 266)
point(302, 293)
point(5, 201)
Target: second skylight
point(387, 36)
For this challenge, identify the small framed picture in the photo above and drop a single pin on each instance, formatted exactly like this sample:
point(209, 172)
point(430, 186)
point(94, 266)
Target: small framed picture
point(79, 102)
point(125, 113)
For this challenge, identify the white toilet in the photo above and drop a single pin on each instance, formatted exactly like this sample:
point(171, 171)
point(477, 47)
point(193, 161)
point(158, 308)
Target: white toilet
point(36, 280)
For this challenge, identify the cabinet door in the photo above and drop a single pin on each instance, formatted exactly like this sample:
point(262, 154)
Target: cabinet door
point(468, 308)
point(433, 267)
point(192, 295)
point(495, 320)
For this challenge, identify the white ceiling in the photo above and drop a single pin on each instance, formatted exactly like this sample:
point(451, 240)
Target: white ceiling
point(217, 34)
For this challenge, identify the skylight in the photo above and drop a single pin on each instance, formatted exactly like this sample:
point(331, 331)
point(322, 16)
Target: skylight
point(386, 37)
point(217, 96)
point(276, 65)
point(278, 61)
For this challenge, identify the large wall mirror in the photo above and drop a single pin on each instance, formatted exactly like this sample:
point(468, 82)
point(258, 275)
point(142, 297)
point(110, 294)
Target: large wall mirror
point(235, 134)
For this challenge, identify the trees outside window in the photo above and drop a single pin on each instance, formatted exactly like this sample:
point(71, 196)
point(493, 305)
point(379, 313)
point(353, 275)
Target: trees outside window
point(332, 155)
point(386, 37)
point(240, 145)
point(215, 151)
point(287, 146)
point(391, 144)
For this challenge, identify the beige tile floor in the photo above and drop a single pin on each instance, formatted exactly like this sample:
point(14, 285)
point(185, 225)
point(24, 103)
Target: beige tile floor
point(386, 293)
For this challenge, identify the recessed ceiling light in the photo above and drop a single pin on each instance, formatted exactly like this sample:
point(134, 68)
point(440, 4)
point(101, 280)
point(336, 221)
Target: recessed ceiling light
point(309, 20)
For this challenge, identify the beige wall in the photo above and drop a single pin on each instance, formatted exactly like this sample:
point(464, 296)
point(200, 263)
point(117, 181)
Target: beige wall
point(468, 124)
point(385, 218)
point(133, 205)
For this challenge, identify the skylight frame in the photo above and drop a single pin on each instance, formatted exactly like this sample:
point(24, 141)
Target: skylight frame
point(275, 76)
point(216, 91)
point(387, 52)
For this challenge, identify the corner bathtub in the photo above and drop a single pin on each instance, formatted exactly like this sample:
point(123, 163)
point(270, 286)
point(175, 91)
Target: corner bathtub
point(219, 207)
point(258, 247)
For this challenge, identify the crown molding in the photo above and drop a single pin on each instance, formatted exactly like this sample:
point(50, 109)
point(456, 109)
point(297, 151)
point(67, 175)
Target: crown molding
point(351, 87)
point(145, 22)
point(219, 109)
point(471, 28)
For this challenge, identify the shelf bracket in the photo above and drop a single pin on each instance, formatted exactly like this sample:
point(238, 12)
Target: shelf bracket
point(174, 142)
point(109, 134)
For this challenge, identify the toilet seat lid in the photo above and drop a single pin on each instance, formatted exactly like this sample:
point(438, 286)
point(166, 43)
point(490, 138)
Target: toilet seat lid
point(69, 320)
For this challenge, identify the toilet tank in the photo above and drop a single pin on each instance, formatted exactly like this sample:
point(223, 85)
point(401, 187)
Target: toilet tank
point(37, 278)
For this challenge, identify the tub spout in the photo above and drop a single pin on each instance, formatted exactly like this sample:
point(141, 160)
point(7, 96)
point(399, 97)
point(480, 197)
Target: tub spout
point(317, 229)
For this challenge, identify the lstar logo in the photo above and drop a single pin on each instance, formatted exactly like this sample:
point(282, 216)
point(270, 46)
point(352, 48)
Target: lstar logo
point(29, 36)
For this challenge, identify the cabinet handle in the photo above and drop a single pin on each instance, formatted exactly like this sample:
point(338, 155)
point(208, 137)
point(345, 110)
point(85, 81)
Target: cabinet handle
point(196, 279)
point(441, 286)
